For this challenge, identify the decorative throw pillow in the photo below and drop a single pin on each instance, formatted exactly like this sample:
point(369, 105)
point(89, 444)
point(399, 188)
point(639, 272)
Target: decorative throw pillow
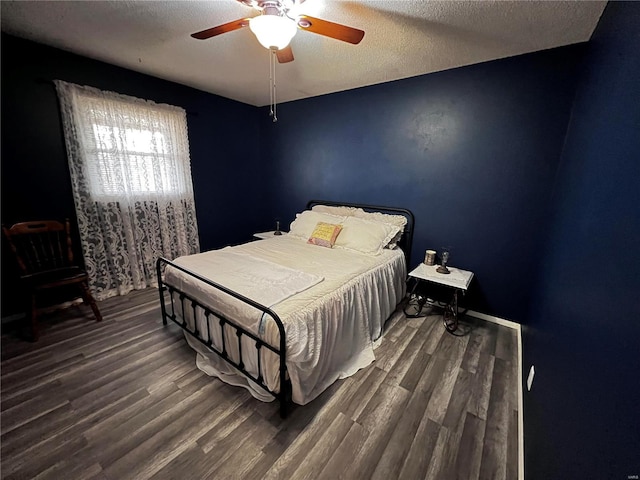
point(325, 234)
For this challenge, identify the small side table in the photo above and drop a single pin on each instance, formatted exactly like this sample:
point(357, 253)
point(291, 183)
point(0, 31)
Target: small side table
point(265, 235)
point(458, 281)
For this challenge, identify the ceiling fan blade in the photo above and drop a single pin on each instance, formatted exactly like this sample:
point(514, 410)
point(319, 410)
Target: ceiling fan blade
point(220, 29)
point(330, 29)
point(285, 55)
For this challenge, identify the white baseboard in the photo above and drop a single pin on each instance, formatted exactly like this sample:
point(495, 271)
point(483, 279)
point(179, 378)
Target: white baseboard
point(492, 319)
point(515, 326)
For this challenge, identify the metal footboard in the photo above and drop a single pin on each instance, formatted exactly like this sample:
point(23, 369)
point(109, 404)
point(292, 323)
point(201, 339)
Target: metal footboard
point(178, 316)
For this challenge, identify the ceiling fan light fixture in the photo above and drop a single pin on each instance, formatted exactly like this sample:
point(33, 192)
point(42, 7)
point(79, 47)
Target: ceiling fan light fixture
point(273, 31)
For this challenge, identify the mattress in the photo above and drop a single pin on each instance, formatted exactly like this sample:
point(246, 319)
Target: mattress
point(331, 325)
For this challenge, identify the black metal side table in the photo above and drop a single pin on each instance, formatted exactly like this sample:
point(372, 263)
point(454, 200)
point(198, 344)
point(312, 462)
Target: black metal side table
point(457, 281)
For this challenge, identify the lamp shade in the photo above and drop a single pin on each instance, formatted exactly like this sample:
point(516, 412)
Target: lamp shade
point(273, 31)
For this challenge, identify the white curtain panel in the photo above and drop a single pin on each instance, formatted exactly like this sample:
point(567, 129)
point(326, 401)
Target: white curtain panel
point(131, 176)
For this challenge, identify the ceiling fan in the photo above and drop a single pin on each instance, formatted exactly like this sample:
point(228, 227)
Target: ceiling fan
point(277, 24)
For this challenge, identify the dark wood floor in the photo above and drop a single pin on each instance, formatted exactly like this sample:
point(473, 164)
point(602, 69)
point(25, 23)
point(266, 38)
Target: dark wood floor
point(123, 399)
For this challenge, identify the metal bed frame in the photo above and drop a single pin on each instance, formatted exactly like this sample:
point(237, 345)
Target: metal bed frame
point(185, 301)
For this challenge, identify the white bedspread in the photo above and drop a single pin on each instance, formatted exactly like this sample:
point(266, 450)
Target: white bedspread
point(330, 325)
point(265, 282)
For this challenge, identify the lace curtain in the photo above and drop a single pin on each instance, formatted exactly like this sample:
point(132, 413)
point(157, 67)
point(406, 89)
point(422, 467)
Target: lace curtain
point(131, 177)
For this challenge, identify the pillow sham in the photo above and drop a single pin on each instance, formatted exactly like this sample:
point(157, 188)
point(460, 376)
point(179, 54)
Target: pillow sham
point(305, 223)
point(325, 234)
point(397, 220)
point(390, 219)
point(365, 236)
point(386, 218)
point(336, 210)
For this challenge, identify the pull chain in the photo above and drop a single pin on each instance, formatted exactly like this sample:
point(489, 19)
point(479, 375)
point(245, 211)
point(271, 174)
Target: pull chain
point(272, 85)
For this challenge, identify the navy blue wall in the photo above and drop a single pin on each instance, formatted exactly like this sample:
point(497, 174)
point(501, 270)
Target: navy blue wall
point(582, 415)
point(223, 137)
point(472, 151)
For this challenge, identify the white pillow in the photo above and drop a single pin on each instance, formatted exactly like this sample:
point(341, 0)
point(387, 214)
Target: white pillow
point(394, 220)
point(390, 219)
point(365, 236)
point(305, 223)
point(336, 210)
point(397, 220)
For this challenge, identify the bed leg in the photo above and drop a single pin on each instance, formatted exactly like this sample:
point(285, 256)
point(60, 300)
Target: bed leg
point(285, 399)
point(161, 289)
point(163, 308)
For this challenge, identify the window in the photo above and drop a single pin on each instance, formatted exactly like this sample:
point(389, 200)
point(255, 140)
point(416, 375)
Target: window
point(138, 155)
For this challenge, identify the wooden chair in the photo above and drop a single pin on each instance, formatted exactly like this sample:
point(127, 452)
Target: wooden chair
point(45, 259)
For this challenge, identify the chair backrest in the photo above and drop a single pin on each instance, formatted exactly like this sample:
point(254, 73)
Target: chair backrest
point(40, 246)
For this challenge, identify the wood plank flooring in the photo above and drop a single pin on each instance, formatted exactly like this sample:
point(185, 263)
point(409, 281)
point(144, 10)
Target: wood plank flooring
point(122, 399)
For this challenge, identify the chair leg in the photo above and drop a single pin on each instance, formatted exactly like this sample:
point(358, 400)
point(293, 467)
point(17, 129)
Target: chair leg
point(33, 321)
point(88, 299)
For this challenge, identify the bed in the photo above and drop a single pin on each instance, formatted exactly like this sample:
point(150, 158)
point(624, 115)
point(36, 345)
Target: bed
point(286, 317)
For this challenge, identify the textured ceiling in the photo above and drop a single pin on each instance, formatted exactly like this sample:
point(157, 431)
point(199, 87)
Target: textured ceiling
point(403, 39)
